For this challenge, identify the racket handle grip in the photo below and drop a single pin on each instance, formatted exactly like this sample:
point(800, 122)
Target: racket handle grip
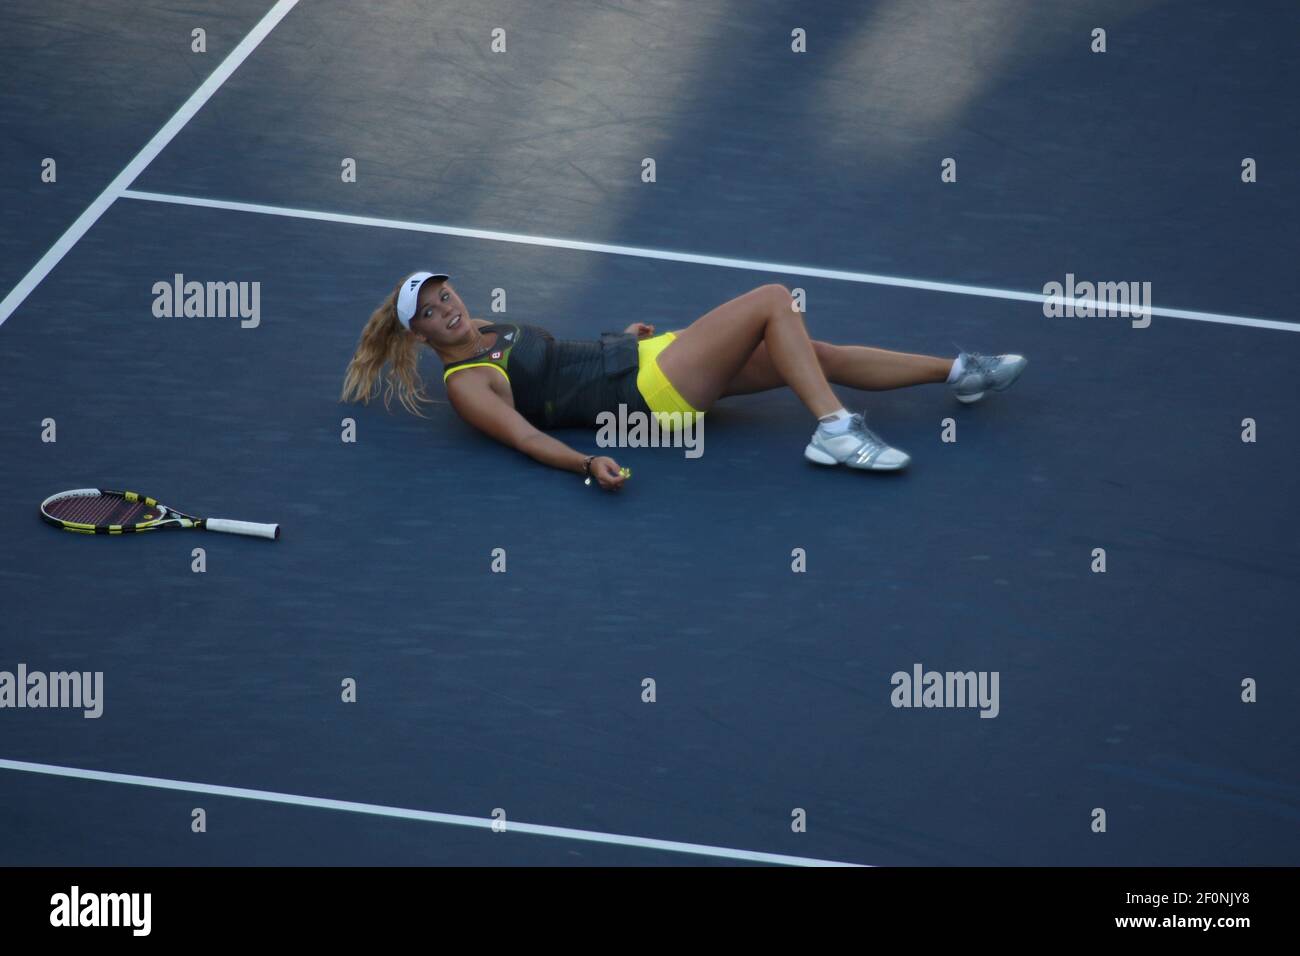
point(227, 526)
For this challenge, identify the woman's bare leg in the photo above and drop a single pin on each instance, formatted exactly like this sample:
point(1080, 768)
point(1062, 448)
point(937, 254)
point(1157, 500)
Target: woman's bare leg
point(708, 355)
point(854, 366)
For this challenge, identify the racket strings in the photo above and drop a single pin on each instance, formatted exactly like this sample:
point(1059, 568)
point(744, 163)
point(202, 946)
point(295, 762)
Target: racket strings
point(130, 515)
point(101, 510)
point(81, 510)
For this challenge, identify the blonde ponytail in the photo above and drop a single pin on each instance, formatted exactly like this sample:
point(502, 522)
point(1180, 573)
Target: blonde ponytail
point(385, 342)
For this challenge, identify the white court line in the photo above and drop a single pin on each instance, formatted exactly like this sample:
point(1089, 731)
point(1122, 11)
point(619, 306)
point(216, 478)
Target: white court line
point(424, 816)
point(721, 261)
point(151, 149)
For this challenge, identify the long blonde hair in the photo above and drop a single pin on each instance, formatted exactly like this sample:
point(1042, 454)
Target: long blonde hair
point(385, 342)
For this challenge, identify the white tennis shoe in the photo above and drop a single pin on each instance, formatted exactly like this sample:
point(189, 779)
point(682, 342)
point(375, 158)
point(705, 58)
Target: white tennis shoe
point(859, 447)
point(986, 373)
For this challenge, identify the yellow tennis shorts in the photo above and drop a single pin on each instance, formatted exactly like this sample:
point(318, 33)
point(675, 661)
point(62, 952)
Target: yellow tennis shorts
point(659, 393)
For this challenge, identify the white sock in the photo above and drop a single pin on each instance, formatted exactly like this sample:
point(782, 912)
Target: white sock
point(836, 423)
point(958, 367)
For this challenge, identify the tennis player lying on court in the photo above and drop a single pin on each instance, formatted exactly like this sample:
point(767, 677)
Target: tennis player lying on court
point(511, 381)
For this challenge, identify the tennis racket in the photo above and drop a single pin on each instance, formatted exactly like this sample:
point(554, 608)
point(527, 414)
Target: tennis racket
point(102, 511)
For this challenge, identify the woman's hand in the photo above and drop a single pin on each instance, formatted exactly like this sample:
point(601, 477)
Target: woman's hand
point(607, 473)
point(640, 330)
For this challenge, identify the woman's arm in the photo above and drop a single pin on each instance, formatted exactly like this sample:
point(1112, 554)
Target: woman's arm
point(480, 405)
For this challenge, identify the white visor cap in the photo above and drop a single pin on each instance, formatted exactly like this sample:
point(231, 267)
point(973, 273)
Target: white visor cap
point(406, 299)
